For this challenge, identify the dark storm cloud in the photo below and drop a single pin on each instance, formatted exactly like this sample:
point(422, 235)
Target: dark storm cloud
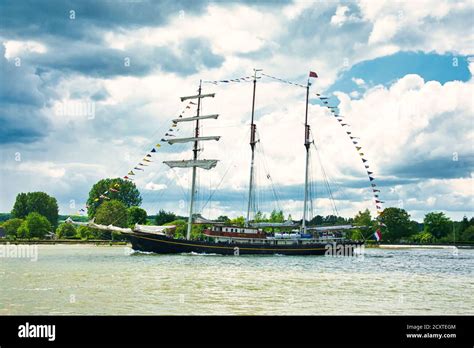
point(98, 61)
point(76, 45)
point(21, 101)
point(33, 19)
point(41, 18)
point(436, 168)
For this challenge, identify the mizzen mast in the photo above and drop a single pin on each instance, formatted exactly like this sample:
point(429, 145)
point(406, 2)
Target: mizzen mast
point(253, 129)
point(307, 144)
point(195, 162)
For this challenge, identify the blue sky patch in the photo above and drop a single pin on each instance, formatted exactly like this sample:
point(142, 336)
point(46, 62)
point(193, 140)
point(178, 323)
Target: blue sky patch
point(386, 70)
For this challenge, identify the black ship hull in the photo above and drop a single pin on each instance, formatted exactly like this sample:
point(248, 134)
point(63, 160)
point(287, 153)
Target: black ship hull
point(161, 244)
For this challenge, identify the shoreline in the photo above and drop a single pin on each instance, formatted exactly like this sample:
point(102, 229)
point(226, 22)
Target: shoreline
point(115, 243)
point(425, 246)
point(65, 241)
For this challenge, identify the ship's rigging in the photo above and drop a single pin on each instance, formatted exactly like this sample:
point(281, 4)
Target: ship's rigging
point(253, 193)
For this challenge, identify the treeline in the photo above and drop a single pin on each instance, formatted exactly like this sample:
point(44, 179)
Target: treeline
point(35, 215)
point(397, 227)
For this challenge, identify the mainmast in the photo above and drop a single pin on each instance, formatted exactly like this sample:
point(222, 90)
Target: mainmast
point(253, 129)
point(194, 163)
point(307, 144)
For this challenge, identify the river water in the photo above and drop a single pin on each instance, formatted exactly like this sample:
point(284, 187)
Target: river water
point(86, 279)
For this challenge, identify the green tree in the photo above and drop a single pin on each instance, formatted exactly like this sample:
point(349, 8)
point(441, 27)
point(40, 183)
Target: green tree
point(437, 224)
point(467, 235)
point(464, 224)
point(66, 231)
point(397, 223)
point(163, 217)
point(117, 189)
point(330, 219)
point(20, 207)
point(259, 217)
point(34, 226)
point(38, 202)
point(422, 237)
point(197, 231)
point(415, 227)
point(363, 218)
point(112, 213)
point(238, 221)
point(136, 215)
point(181, 228)
point(11, 227)
point(86, 233)
point(223, 218)
point(277, 216)
point(317, 220)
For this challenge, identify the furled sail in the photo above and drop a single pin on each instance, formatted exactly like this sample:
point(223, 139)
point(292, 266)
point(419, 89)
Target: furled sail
point(331, 228)
point(152, 228)
point(195, 118)
point(187, 140)
point(136, 228)
point(198, 96)
point(275, 224)
point(200, 220)
point(204, 164)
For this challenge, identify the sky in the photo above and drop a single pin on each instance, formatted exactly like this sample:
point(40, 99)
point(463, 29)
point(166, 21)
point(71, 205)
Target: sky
point(88, 88)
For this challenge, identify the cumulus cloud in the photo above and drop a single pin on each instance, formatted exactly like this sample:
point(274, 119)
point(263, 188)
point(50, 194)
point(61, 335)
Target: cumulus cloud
point(420, 130)
point(410, 127)
point(155, 187)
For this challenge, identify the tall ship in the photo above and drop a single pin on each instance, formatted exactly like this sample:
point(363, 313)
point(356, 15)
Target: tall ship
point(224, 238)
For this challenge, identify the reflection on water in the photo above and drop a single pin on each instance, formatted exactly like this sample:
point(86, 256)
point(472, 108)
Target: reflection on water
point(80, 279)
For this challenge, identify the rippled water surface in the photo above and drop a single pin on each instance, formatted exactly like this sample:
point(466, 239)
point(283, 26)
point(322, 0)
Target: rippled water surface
point(85, 279)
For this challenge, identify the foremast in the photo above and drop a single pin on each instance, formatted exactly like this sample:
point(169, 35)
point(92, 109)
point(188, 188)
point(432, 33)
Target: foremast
point(253, 130)
point(195, 162)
